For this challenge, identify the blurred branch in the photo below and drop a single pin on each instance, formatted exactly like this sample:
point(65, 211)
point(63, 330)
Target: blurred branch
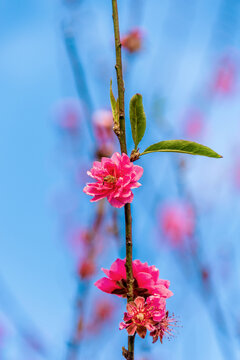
point(208, 290)
point(25, 327)
point(81, 301)
point(79, 75)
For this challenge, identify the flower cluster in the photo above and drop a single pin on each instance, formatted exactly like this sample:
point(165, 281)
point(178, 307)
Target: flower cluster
point(115, 177)
point(148, 310)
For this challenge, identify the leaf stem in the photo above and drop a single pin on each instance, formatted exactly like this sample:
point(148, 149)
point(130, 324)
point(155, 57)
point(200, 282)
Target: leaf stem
point(123, 145)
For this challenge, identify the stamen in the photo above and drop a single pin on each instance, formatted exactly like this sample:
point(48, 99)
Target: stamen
point(140, 316)
point(109, 179)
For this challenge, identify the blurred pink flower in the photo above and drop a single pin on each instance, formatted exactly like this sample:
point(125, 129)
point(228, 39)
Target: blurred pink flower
point(177, 222)
point(194, 124)
point(67, 114)
point(103, 125)
point(225, 77)
point(146, 280)
point(103, 312)
point(115, 176)
point(133, 40)
point(205, 275)
point(86, 269)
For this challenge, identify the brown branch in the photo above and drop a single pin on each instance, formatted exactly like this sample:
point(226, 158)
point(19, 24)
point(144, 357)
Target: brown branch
point(123, 145)
point(120, 83)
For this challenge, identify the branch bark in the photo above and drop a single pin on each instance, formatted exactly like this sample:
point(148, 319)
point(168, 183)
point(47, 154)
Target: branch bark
point(123, 146)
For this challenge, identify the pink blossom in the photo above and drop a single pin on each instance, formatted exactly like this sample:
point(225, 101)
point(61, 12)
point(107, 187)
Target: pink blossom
point(146, 280)
point(133, 40)
point(139, 317)
point(150, 314)
point(115, 176)
point(163, 328)
point(177, 222)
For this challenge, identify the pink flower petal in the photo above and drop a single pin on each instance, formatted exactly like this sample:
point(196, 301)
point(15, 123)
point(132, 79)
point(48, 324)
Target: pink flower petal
point(139, 301)
point(131, 308)
point(116, 203)
point(122, 326)
point(131, 329)
point(145, 280)
point(138, 170)
point(106, 285)
point(118, 270)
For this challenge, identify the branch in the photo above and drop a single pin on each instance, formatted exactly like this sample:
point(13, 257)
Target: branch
point(123, 145)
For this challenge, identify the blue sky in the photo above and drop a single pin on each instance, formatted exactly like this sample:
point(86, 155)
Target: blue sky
point(183, 42)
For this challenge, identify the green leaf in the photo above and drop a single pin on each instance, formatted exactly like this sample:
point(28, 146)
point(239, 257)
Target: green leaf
point(137, 119)
point(115, 107)
point(181, 146)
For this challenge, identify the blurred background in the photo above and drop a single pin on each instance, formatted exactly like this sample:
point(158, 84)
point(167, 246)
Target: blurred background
point(57, 59)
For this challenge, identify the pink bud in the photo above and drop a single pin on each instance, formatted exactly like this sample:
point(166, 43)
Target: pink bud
point(205, 274)
point(132, 41)
point(103, 124)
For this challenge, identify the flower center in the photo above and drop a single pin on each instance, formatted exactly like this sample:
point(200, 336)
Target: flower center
point(140, 316)
point(109, 179)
